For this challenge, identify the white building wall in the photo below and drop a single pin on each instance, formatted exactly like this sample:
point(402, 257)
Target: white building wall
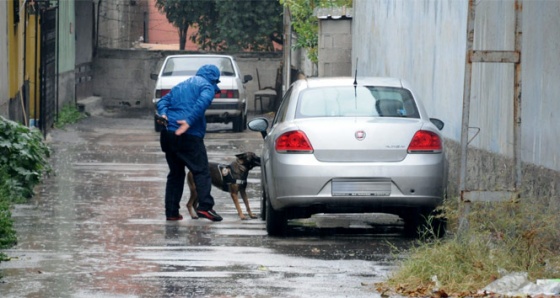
point(4, 91)
point(424, 42)
point(541, 88)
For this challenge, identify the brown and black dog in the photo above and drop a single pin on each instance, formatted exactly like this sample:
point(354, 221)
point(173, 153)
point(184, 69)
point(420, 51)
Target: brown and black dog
point(228, 177)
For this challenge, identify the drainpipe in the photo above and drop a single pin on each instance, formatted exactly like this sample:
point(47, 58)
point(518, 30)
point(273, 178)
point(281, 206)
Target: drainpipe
point(287, 48)
point(35, 91)
point(97, 29)
point(23, 94)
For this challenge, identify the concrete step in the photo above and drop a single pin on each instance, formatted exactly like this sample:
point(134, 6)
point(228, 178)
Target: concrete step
point(92, 106)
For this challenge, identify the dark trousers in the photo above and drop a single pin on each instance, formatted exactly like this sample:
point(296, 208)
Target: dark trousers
point(180, 152)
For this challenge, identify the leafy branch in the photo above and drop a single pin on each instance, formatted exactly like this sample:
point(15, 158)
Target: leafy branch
point(306, 25)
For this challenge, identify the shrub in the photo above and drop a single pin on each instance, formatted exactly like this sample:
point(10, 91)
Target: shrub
point(24, 158)
point(7, 233)
point(23, 162)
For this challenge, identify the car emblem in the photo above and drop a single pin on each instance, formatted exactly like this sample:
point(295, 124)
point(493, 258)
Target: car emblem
point(360, 135)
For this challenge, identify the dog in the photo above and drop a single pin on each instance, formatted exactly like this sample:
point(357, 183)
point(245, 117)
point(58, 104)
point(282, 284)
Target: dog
point(228, 177)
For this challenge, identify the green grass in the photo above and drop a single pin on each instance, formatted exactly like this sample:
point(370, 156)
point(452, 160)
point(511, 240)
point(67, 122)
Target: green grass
point(68, 114)
point(502, 238)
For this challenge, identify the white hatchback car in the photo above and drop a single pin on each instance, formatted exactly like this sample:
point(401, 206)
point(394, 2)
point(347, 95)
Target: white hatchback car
point(230, 105)
point(346, 145)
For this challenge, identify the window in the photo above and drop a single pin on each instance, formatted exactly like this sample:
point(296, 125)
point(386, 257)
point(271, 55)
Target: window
point(362, 101)
point(188, 66)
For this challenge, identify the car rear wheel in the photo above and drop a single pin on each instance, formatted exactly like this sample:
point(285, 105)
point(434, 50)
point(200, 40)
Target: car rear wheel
point(263, 205)
point(239, 123)
point(276, 221)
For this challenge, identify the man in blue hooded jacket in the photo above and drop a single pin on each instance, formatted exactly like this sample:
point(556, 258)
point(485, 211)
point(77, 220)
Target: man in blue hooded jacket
point(183, 140)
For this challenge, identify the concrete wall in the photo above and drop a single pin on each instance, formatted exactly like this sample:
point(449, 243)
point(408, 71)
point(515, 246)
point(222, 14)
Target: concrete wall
point(84, 32)
point(424, 42)
point(335, 47)
point(81, 74)
point(121, 22)
point(122, 77)
point(4, 91)
point(70, 23)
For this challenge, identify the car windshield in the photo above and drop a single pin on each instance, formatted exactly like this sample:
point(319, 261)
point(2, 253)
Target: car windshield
point(362, 101)
point(188, 66)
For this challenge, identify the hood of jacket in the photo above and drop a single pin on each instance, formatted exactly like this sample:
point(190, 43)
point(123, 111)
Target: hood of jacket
point(211, 73)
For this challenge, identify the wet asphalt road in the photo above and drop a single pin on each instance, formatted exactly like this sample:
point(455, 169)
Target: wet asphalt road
point(96, 228)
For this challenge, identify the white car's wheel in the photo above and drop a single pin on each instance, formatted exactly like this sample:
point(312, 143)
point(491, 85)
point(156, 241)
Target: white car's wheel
point(276, 221)
point(240, 123)
point(263, 205)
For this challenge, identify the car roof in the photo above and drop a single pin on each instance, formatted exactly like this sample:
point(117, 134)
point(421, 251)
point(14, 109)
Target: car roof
point(349, 81)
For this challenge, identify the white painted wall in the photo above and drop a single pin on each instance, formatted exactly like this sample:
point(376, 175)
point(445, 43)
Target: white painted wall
point(424, 42)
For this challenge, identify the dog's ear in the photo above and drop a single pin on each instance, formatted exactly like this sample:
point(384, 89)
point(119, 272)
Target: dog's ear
point(241, 155)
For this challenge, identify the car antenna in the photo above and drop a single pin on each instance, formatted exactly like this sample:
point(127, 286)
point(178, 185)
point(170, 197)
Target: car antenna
point(356, 84)
point(356, 76)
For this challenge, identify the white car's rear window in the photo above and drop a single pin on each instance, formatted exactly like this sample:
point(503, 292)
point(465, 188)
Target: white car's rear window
point(349, 101)
point(188, 66)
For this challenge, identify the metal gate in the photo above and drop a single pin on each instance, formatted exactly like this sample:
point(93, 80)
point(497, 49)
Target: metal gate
point(48, 69)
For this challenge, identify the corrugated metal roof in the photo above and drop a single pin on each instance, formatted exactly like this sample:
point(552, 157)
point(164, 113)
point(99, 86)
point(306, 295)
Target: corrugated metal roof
point(333, 12)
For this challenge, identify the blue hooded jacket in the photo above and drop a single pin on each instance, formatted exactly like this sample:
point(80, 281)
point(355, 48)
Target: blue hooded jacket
point(189, 100)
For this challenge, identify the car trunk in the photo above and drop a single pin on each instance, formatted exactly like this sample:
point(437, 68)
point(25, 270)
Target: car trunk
point(360, 139)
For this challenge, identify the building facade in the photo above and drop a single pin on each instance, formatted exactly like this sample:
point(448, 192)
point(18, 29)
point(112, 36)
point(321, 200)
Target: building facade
point(38, 57)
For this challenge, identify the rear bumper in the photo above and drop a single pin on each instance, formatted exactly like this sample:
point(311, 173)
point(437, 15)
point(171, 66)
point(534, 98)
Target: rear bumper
point(416, 182)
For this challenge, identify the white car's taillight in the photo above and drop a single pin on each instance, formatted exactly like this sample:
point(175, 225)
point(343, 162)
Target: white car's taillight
point(227, 94)
point(293, 142)
point(425, 142)
point(161, 92)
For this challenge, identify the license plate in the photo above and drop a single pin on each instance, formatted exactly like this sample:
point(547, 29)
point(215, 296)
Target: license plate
point(361, 187)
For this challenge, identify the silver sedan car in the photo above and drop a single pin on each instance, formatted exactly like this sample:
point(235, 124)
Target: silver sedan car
point(351, 145)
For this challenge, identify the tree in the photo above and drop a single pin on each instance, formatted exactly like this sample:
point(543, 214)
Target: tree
point(242, 25)
point(306, 25)
point(185, 13)
point(225, 24)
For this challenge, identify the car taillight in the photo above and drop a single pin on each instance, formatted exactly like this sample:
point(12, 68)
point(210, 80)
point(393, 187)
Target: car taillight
point(293, 141)
point(425, 142)
point(161, 93)
point(227, 94)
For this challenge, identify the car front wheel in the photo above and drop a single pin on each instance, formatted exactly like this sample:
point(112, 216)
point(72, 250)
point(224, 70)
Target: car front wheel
point(276, 221)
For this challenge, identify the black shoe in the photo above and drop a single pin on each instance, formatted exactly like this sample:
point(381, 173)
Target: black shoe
point(210, 214)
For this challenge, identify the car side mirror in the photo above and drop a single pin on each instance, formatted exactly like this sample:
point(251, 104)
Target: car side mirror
point(247, 78)
point(154, 76)
point(258, 124)
point(438, 123)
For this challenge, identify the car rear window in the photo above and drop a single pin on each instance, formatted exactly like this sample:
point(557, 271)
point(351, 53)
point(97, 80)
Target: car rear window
point(188, 66)
point(347, 101)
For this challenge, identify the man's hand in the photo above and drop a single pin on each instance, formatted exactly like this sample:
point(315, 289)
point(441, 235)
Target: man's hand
point(183, 128)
